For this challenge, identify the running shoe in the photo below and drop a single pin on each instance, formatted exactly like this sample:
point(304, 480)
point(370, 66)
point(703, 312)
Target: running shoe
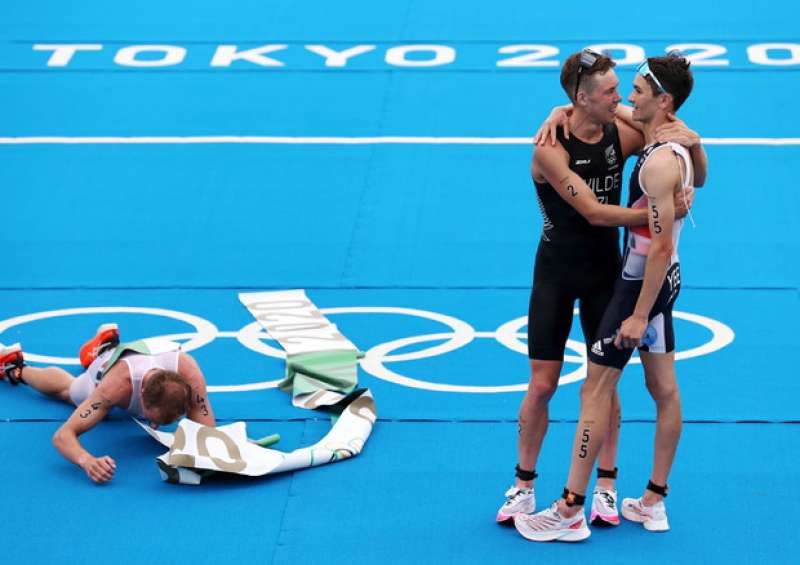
point(11, 363)
point(653, 518)
point(604, 508)
point(550, 525)
point(518, 500)
point(106, 337)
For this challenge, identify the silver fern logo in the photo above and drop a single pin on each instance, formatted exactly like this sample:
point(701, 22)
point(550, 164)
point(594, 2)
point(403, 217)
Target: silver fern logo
point(611, 156)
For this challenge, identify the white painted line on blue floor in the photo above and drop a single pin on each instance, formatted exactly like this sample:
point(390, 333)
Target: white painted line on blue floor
point(312, 140)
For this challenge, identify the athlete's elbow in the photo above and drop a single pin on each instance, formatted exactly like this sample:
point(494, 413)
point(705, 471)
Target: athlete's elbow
point(59, 438)
point(597, 218)
point(662, 251)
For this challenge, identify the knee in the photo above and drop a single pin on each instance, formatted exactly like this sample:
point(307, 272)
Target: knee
point(590, 393)
point(663, 391)
point(542, 390)
point(599, 390)
point(544, 381)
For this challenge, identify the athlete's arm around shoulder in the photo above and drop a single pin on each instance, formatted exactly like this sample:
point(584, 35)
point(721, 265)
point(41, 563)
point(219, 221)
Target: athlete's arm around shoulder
point(114, 389)
point(677, 131)
point(630, 137)
point(551, 164)
point(201, 410)
point(674, 130)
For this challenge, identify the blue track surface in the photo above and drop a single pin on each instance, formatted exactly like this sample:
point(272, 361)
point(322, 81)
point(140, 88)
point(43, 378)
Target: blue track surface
point(446, 232)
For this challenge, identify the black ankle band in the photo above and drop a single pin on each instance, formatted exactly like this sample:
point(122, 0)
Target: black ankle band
point(18, 379)
point(524, 475)
point(606, 474)
point(572, 498)
point(652, 487)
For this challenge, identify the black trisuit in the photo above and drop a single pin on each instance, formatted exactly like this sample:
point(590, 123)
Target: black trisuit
point(575, 260)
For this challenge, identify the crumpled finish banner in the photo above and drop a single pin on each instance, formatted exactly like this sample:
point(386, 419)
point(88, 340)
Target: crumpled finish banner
point(321, 374)
point(194, 447)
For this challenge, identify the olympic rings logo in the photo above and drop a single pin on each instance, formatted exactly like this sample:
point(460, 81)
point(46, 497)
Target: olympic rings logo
point(459, 334)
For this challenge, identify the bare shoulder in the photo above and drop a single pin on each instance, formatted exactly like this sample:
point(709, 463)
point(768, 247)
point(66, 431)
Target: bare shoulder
point(189, 369)
point(115, 385)
point(547, 158)
point(663, 159)
point(550, 151)
point(186, 360)
point(662, 170)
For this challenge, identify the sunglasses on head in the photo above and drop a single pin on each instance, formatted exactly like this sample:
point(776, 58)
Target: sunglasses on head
point(644, 69)
point(588, 59)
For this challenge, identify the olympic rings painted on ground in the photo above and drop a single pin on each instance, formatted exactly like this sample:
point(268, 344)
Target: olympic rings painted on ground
point(460, 334)
point(205, 332)
point(721, 336)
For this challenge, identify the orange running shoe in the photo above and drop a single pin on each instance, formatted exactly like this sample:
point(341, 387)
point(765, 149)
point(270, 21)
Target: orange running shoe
point(106, 337)
point(11, 363)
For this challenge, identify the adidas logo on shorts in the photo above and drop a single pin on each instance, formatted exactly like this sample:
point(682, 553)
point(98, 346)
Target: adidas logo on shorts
point(597, 348)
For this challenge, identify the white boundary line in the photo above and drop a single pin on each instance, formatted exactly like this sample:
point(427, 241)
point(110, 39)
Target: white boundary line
point(396, 140)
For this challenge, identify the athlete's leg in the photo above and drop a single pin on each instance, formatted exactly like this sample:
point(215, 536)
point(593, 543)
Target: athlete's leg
point(649, 509)
point(659, 370)
point(593, 305)
point(549, 322)
point(597, 415)
point(607, 458)
point(593, 423)
point(52, 381)
point(534, 414)
point(659, 367)
point(565, 519)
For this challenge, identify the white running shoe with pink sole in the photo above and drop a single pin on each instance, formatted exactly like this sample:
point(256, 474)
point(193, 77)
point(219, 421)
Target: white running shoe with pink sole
point(518, 500)
point(604, 508)
point(653, 518)
point(550, 525)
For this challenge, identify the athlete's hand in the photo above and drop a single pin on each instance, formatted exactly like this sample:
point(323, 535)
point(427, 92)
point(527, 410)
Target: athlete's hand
point(676, 131)
point(684, 203)
point(99, 469)
point(558, 117)
point(630, 333)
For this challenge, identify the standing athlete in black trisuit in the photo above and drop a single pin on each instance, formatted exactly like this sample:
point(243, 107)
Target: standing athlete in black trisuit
point(641, 306)
point(578, 184)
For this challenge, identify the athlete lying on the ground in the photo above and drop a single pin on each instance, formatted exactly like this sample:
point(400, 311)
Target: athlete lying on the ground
point(159, 388)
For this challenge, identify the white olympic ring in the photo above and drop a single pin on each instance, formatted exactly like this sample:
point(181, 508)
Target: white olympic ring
point(461, 333)
point(205, 331)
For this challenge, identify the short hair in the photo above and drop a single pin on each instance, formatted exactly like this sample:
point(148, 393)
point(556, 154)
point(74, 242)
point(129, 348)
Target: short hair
point(169, 392)
point(674, 74)
point(569, 71)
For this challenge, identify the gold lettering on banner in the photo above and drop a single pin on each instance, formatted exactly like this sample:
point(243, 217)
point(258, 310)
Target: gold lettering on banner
point(366, 403)
point(204, 434)
point(178, 444)
point(182, 460)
